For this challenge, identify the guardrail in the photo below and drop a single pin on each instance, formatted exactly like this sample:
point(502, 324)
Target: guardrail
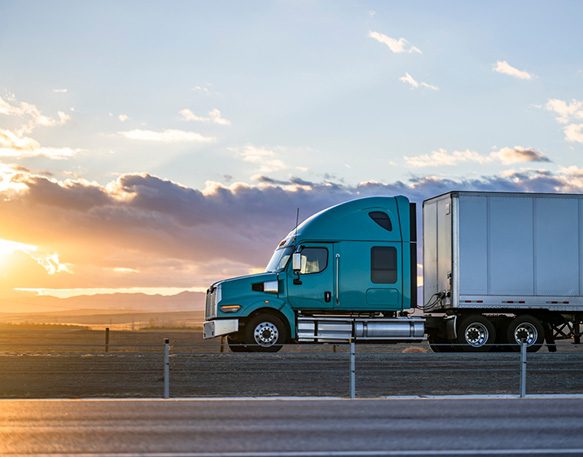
point(178, 369)
point(182, 365)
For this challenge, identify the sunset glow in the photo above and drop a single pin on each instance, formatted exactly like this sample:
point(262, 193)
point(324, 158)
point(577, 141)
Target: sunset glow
point(163, 163)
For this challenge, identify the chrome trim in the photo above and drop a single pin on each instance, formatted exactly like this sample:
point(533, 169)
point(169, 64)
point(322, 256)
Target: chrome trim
point(219, 327)
point(213, 297)
point(266, 334)
point(344, 328)
point(337, 279)
point(271, 287)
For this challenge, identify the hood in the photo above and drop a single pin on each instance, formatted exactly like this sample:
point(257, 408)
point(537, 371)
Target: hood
point(247, 279)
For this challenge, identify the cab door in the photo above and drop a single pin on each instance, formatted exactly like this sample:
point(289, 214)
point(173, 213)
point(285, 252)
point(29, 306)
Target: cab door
point(369, 276)
point(313, 289)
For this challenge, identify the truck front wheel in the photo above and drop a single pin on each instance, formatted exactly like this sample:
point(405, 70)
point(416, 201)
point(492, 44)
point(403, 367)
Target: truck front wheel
point(476, 333)
point(265, 333)
point(236, 343)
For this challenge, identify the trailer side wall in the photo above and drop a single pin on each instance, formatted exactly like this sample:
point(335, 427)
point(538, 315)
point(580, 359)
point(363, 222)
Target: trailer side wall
point(510, 250)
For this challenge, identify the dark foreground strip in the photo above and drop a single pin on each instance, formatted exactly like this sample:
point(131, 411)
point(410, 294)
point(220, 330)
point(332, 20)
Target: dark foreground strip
point(409, 453)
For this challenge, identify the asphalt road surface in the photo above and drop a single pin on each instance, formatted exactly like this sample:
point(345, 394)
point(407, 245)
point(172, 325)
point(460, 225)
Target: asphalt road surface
point(279, 427)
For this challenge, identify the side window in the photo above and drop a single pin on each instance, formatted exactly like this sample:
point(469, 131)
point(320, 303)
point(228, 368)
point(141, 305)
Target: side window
point(314, 260)
point(381, 219)
point(383, 265)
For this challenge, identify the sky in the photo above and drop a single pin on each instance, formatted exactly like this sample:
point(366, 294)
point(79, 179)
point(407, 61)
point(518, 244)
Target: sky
point(161, 146)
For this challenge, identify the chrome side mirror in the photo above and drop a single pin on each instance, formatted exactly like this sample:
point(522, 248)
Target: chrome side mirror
point(297, 262)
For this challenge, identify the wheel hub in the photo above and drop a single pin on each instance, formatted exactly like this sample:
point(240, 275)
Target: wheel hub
point(476, 334)
point(266, 334)
point(526, 332)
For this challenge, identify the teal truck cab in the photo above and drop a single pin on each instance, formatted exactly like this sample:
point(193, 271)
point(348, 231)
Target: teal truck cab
point(347, 272)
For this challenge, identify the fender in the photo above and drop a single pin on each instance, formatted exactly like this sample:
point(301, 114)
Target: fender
point(273, 303)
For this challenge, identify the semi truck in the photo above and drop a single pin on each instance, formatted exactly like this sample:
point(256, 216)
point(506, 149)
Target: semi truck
point(499, 269)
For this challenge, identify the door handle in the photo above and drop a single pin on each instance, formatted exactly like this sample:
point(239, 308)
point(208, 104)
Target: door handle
point(327, 296)
point(337, 278)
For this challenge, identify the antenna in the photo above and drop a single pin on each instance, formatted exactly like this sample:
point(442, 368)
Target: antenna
point(297, 221)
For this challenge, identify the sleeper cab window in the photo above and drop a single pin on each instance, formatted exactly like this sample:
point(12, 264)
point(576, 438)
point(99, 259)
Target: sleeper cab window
point(383, 265)
point(314, 260)
point(382, 219)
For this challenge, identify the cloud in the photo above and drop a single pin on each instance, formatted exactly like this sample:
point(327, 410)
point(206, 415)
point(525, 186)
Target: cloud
point(17, 146)
point(397, 46)
point(519, 154)
point(408, 79)
point(60, 91)
point(167, 136)
point(124, 270)
point(265, 158)
point(506, 69)
point(49, 261)
point(574, 133)
point(120, 117)
point(203, 89)
point(12, 141)
point(31, 115)
point(569, 114)
point(178, 236)
point(565, 111)
point(214, 116)
point(441, 157)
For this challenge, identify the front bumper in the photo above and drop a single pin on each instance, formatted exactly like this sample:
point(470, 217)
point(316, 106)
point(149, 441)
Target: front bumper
point(219, 327)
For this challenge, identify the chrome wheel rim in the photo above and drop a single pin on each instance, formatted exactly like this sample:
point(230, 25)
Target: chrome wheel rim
point(476, 334)
point(526, 332)
point(266, 334)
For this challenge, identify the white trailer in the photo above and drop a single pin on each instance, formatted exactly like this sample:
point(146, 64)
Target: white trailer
point(503, 267)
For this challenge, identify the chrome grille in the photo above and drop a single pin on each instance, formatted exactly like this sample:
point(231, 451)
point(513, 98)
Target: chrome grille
point(210, 310)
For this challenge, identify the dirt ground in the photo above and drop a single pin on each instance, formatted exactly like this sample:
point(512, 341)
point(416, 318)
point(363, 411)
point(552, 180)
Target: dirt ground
point(71, 362)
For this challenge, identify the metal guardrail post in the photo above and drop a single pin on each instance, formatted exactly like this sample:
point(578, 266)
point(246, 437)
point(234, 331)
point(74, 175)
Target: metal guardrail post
point(166, 368)
point(352, 370)
point(523, 369)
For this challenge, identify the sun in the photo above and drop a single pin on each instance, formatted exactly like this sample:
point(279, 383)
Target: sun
point(8, 248)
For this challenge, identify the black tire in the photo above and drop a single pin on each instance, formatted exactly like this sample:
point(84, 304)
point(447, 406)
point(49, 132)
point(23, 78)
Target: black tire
point(502, 344)
point(529, 327)
point(440, 344)
point(476, 333)
point(236, 343)
point(265, 333)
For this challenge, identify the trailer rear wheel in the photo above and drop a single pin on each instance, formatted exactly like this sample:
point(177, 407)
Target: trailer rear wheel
point(527, 328)
point(476, 333)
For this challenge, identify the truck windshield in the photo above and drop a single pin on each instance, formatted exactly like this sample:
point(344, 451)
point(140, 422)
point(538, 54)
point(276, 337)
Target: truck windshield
point(279, 259)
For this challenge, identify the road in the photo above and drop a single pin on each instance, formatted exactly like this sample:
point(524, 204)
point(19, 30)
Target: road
point(280, 427)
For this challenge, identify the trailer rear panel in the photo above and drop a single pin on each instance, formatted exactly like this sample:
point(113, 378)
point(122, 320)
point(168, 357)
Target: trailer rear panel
point(504, 250)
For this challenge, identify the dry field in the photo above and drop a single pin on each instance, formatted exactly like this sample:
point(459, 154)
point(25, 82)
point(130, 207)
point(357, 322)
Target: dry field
point(52, 361)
